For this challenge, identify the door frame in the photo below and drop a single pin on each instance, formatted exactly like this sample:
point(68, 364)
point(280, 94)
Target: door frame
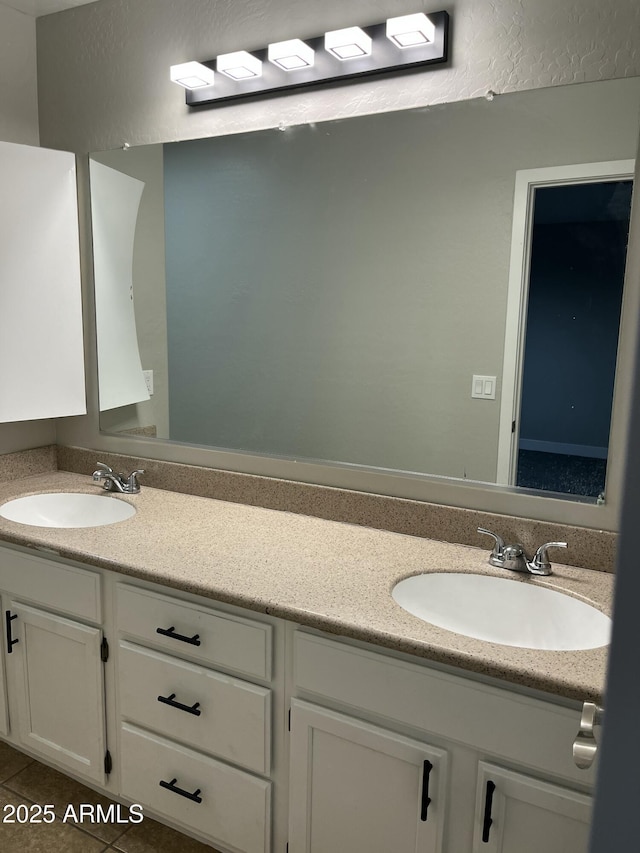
point(527, 181)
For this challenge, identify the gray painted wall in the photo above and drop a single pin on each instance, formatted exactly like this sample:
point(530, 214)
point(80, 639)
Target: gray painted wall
point(18, 89)
point(332, 289)
point(103, 69)
point(19, 123)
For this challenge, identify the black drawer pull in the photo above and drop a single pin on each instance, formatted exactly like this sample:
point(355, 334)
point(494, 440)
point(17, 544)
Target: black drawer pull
point(171, 786)
point(488, 803)
point(190, 709)
point(171, 632)
point(10, 641)
point(427, 767)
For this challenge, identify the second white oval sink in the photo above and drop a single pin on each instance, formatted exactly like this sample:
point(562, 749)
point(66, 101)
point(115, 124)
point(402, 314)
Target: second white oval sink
point(502, 610)
point(67, 509)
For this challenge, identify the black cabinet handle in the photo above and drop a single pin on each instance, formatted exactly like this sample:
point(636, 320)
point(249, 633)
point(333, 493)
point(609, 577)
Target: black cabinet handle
point(171, 786)
point(171, 632)
point(488, 803)
point(190, 709)
point(427, 767)
point(10, 641)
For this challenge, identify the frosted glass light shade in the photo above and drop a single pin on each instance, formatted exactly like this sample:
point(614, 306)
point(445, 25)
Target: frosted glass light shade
point(239, 65)
point(350, 43)
point(410, 30)
point(192, 75)
point(291, 55)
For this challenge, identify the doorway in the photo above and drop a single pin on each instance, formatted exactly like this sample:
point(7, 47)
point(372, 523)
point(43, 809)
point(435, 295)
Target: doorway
point(567, 276)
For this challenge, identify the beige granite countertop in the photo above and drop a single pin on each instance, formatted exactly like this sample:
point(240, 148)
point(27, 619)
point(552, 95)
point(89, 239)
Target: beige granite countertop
point(328, 575)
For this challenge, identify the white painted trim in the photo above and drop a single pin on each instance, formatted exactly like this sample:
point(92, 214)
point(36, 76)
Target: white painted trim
point(526, 182)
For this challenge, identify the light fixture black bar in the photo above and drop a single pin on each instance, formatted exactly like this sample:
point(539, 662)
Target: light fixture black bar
point(385, 58)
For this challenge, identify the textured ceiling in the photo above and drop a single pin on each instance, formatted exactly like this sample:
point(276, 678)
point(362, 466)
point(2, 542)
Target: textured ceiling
point(43, 7)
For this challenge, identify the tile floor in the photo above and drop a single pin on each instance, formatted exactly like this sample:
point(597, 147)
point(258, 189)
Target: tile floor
point(24, 781)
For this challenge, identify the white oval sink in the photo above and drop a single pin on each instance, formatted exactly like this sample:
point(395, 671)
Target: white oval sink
point(66, 509)
point(501, 610)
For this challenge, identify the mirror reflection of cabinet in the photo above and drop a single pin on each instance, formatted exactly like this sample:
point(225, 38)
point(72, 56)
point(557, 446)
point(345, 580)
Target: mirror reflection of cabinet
point(41, 336)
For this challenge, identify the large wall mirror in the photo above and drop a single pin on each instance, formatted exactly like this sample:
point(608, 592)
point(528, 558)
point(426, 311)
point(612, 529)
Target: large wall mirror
point(345, 291)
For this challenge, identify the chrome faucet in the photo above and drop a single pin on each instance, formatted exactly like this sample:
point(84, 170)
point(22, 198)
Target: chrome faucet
point(117, 482)
point(514, 558)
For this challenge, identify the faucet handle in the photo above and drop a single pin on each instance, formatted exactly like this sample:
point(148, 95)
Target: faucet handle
point(503, 556)
point(133, 486)
point(101, 469)
point(540, 564)
point(498, 548)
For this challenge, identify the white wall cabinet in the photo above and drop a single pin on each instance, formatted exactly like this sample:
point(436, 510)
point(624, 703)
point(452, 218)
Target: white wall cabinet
point(355, 786)
point(41, 335)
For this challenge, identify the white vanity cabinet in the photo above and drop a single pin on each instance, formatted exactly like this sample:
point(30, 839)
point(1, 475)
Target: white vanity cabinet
point(195, 733)
point(383, 751)
point(502, 776)
point(53, 649)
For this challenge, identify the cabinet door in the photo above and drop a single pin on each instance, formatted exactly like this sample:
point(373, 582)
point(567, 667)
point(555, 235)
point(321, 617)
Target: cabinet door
point(56, 685)
point(4, 710)
point(519, 814)
point(358, 787)
point(40, 290)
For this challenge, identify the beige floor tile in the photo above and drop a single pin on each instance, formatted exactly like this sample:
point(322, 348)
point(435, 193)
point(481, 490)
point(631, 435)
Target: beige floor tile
point(42, 784)
point(54, 837)
point(152, 837)
point(11, 761)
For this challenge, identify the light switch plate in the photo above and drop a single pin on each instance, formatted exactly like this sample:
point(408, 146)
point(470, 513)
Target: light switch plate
point(148, 378)
point(484, 387)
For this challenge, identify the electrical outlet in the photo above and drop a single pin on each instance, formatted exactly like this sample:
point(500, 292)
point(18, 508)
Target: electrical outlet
point(148, 378)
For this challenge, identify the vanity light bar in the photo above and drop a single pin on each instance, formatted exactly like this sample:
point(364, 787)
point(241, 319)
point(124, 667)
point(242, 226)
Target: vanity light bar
point(400, 43)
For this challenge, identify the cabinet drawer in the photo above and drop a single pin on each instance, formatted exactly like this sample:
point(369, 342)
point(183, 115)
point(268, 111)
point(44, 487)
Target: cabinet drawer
point(56, 586)
point(494, 721)
point(234, 807)
point(196, 632)
point(232, 717)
